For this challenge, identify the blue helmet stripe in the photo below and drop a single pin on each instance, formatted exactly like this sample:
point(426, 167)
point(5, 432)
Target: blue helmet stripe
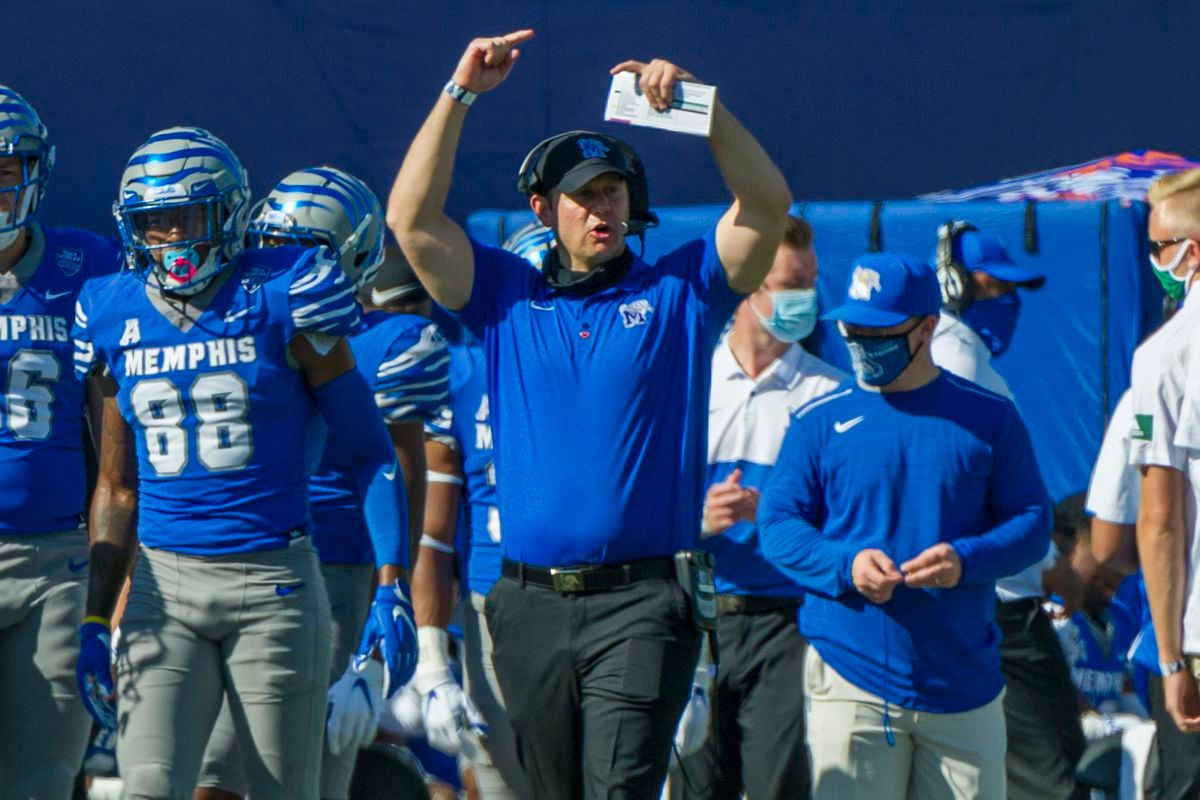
point(354, 214)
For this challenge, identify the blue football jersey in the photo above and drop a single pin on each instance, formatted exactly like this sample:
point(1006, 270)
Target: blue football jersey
point(42, 477)
point(405, 362)
point(465, 425)
point(218, 412)
point(1097, 653)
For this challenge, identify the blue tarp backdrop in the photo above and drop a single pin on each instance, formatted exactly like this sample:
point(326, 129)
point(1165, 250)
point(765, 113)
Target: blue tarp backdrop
point(1069, 361)
point(862, 99)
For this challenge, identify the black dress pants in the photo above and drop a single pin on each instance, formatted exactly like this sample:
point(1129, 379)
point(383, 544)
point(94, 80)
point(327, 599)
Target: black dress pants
point(594, 682)
point(758, 739)
point(1178, 752)
point(1045, 739)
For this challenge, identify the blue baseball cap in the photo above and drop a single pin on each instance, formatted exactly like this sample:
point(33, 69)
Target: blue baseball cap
point(885, 289)
point(977, 250)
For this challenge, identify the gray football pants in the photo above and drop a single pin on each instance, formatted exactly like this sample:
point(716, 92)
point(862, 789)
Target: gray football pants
point(252, 628)
point(43, 724)
point(498, 772)
point(350, 588)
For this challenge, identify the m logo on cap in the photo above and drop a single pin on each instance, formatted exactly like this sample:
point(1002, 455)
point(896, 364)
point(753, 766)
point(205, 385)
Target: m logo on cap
point(863, 282)
point(592, 148)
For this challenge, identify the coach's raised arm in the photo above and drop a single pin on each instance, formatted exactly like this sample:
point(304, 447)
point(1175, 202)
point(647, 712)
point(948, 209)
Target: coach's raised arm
point(438, 248)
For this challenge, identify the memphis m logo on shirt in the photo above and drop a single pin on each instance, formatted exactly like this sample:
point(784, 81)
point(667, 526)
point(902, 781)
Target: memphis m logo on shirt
point(34, 328)
point(636, 313)
point(214, 353)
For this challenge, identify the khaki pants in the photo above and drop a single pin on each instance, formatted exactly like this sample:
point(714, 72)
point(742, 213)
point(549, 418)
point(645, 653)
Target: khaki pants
point(935, 756)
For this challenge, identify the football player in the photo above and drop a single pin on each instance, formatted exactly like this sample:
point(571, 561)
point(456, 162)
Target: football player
point(43, 545)
point(404, 360)
point(214, 360)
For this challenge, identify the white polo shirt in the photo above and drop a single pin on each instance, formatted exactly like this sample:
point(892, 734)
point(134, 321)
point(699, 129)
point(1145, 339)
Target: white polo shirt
point(1115, 486)
point(1166, 431)
point(958, 349)
point(747, 418)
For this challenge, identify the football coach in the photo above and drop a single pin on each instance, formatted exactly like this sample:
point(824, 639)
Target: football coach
point(598, 381)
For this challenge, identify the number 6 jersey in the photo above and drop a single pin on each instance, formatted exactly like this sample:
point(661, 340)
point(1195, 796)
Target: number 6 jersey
point(218, 413)
point(42, 477)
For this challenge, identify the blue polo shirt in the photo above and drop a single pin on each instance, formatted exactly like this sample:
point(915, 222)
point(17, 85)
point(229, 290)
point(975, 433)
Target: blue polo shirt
point(599, 404)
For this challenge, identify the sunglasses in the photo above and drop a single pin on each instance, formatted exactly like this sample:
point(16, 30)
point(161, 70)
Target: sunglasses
point(1158, 245)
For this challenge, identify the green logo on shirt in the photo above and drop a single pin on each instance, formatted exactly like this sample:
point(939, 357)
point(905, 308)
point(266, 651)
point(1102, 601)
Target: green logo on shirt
point(1143, 427)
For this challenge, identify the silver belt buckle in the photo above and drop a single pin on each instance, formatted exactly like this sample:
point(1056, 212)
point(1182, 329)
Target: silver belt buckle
point(567, 580)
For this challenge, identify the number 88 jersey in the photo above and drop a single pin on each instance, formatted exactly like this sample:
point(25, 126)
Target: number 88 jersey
point(42, 476)
point(218, 412)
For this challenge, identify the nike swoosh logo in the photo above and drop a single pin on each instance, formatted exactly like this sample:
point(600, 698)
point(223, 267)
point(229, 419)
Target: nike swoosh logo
point(56, 295)
point(284, 591)
point(541, 306)
point(235, 315)
point(75, 566)
point(842, 427)
point(391, 473)
point(402, 613)
point(361, 685)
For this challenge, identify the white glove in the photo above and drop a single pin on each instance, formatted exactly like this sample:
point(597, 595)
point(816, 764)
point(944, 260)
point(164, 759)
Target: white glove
point(452, 723)
point(693, 725)
point(355, 703)
point(402, 713)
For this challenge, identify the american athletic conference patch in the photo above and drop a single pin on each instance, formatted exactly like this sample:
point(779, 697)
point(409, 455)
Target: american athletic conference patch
point(69, 260)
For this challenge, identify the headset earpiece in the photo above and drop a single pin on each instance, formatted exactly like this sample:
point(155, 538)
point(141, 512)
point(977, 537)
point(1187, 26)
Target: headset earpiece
point(958, 289)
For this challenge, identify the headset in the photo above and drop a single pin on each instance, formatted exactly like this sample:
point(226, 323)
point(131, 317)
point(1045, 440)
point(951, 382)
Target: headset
point(958, 288)
point(641, 218)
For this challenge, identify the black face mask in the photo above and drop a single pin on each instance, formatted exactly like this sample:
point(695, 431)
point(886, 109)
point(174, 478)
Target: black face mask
point(586, 283)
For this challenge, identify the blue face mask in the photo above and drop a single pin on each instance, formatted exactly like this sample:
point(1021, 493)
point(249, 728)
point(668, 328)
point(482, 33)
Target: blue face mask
point(794, 315)
point(879, 360)
point(994, 320)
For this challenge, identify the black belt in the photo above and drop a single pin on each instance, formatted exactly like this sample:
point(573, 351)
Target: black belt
point(588, 577)
point(749, 604)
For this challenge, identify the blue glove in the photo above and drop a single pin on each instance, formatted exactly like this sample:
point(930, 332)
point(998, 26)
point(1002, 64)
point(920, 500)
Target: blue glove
point(390, 626)
point(93, 673)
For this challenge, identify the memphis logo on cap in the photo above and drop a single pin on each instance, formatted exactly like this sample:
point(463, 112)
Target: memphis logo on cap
point(592, 148)
point(863, 282)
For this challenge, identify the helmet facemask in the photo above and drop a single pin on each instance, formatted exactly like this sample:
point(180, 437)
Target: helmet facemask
point(181, 244)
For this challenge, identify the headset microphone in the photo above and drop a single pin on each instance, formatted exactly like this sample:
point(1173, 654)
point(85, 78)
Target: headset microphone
point(636, 227)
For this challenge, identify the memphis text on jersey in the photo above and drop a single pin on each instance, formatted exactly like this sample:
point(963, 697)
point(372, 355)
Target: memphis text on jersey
point(214, 353)
point(35, 328)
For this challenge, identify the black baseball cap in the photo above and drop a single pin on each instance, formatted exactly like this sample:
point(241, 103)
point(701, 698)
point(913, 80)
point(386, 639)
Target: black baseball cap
point(578, 157)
